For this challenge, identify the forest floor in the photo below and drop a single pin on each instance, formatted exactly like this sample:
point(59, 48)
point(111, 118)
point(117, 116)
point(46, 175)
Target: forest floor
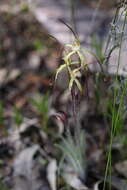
point(36, 113)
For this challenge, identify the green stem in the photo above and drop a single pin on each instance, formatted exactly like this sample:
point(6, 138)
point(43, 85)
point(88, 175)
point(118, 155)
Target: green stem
point(114, 117)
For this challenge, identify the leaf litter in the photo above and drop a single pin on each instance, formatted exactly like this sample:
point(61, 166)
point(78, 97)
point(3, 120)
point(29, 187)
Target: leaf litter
point(29, 157)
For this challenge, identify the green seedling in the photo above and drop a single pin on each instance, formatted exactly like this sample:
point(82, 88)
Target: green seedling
point(38, 45)
point(98, 47)
point(1, 162)
point(24, 8)
point(18, 118)
point(42, 107)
